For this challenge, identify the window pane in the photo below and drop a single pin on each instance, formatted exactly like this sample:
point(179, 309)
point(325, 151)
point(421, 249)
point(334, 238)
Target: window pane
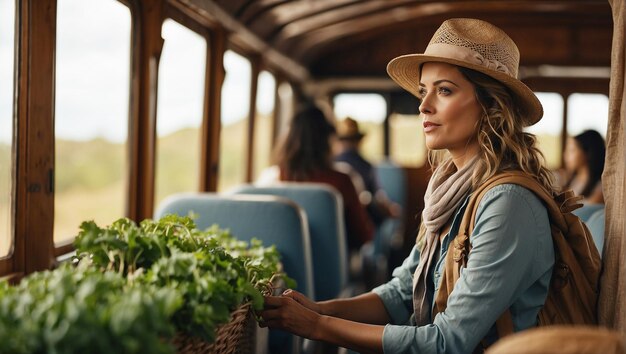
point(235, 107)
point(264, 122)
point(369, 109)
point(587, 111)
point(7, 51)
point(179, 110)
point(548, 129)
point(286, 106)
point(91, 118)
point(408, 146)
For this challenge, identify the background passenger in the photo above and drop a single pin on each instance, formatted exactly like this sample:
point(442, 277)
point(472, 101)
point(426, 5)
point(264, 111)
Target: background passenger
point(304, 155)
point(473, 108)
point(378, 206)
point(584, 162)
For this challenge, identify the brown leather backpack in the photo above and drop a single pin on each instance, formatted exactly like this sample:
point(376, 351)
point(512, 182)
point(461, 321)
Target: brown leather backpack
point(573, 292)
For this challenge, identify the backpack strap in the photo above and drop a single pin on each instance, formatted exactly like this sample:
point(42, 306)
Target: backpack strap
point(456, 257)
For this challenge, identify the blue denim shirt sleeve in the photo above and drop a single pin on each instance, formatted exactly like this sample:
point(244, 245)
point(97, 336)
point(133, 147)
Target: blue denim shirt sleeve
point(509, 266)
point(397, 294)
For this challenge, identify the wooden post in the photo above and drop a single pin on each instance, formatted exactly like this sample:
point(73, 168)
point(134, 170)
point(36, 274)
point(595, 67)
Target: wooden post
point(34, 183)
point(254, 82)
point(211, 123)
point(147, 46)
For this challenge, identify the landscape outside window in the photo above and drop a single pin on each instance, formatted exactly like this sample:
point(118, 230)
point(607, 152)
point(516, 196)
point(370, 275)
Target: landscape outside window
point(179, 110)
point(587, 111)
point(235, 106)
point(264, 119)
point(408, 147)
point(91, 113)
point(548, 129)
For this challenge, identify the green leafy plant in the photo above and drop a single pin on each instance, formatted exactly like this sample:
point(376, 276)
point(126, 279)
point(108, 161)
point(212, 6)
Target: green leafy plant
point(214, 272)
point(82, 310)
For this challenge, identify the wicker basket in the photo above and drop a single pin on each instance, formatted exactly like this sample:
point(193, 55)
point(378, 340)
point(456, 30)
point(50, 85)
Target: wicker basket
point(234, 337)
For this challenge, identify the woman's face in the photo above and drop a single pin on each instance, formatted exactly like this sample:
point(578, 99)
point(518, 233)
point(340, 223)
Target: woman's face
point(450, 109)
point(573, 156)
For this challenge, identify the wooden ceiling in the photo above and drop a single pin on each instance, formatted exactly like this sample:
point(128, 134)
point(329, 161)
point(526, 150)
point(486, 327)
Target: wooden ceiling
point(356, 38)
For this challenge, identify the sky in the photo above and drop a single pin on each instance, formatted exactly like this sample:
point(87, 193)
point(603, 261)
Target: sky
point(362, 106)
point(7, 32)
point(93, 70)
point(93, 66)
point(181, 79)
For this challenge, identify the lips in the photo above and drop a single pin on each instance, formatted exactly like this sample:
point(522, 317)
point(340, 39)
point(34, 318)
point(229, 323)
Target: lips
point(430, 126)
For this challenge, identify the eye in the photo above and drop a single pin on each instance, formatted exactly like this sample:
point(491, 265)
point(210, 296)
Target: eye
point(444, 90)
point(422, 92)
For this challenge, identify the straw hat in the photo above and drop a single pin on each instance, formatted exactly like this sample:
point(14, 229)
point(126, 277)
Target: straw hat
point(348, 129)
point(473, 44)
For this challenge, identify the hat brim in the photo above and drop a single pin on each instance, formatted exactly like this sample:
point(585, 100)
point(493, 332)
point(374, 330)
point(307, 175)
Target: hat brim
point(405, 71)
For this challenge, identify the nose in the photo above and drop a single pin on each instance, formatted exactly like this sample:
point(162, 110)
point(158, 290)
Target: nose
point(426, 106)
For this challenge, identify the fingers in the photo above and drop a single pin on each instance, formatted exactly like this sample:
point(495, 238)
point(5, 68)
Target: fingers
point(275, 301)
point(294, 295)
point(273, 318)
point(269, 315)
point(299, 297)
point(302, 300)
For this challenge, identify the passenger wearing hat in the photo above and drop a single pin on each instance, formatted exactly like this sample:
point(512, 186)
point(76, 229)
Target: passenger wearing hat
point(349, 136)
point(474, 110)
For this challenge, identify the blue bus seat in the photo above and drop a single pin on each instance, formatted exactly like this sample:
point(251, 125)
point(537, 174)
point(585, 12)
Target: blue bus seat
point(393, 181)
point(586, 210)
point(595, 223)
point(323, 206)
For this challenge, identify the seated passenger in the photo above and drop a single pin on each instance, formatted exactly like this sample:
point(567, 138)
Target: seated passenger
point(379, 207)
point(473, 108)
point(584, 162)
point(304, 155)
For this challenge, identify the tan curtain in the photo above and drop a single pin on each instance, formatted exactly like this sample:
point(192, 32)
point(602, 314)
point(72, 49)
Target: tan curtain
point(612, 306)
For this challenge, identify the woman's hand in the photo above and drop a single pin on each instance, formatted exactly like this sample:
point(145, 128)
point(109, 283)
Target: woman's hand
point(292, 312)
point(304, 301)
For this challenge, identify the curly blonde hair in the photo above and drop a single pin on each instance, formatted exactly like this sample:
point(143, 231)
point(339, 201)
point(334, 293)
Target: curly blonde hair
point(503, 144)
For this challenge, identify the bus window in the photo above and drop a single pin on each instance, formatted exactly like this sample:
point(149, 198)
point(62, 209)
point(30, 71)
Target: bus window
point(408, 146)
point(264, 122)
point(7, 51)
point(548, 129)
point(369, 110)
point(235, 108)
point(587, 111)
point(91, 113)
point(179, 110)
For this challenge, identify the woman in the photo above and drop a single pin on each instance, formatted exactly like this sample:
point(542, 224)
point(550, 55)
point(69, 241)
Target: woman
point(305, 156)
point(473, 110)
point(584, 163)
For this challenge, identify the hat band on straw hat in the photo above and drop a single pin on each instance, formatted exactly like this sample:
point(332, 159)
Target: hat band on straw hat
point(467, 55)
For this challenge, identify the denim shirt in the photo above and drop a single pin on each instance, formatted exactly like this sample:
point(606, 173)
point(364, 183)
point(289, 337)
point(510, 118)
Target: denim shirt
point(509, 266)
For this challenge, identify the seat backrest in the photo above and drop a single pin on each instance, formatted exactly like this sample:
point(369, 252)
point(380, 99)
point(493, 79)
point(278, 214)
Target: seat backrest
point(587, 210)
point(323, 206)
point(273, 220)
point(393, 181)
point(595, 223)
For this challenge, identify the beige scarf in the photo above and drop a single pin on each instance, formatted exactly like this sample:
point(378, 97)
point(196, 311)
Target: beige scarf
point(446, 191)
